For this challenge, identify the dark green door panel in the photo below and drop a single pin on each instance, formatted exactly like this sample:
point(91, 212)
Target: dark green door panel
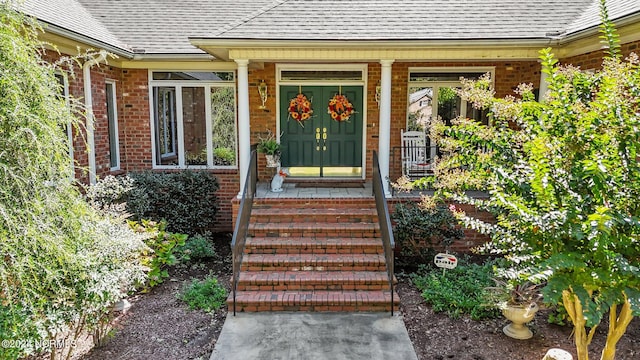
point(320, 141)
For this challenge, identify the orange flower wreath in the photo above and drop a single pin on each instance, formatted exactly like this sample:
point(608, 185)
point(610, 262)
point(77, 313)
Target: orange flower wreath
point(300, 108)
point(340, 108)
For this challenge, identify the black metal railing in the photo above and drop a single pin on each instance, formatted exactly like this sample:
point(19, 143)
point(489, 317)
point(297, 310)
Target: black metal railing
point(242, 223)
point(385, 222)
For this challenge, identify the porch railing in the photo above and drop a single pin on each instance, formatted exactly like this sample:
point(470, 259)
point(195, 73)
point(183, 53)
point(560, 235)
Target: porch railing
point(385, 223)
point(242, 223)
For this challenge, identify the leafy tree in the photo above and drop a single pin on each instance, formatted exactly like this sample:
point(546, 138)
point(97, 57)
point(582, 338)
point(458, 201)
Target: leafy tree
point(564, 182)
point(63, 263)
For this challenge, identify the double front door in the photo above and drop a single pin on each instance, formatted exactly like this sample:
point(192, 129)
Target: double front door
point(321, 146)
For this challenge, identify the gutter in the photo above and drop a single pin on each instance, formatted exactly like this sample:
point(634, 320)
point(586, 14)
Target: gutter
point(88, 103)
point(57, 30)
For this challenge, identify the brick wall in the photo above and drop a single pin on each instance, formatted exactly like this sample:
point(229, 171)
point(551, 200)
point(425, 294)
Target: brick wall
point(593, 60)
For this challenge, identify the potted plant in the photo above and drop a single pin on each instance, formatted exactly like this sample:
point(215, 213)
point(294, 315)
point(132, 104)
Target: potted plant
point(270, 147)
point(519, 304)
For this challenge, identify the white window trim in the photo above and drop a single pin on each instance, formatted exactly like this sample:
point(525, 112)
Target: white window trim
point(179, 84)
point(115, 125)
point(67, 100)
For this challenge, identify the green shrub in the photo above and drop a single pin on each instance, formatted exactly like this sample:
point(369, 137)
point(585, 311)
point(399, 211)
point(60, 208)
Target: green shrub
point(196, 248)
point(458, 291)
point(163, 248)
point(187, 199)
point(207, 294)
point(419, 229)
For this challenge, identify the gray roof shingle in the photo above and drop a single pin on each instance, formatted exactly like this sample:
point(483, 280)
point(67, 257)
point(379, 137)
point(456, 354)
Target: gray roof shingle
point(407, 20)
point(165, 26)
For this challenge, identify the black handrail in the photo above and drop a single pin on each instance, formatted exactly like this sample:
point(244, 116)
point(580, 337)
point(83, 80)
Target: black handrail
point(242, 223)
point(385, 222)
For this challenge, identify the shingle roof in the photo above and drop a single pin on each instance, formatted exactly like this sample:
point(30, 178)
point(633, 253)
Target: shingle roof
point(406, 19)
point(72, 16)
point(165, 26)
point(591, 15)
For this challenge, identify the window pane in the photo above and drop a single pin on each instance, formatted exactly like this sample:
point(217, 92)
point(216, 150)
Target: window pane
point(443, 76)
point(195, 75)
point(420, 108)
point(164, 100)
point(194, 124)
point(113, 126)
point(223, 121)
point(321, 75)
point(478, 115)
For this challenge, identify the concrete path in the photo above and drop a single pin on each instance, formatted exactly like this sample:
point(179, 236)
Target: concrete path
point(313, 336)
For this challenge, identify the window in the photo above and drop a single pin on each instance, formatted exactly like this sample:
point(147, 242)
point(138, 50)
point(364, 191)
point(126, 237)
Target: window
point(194, 119)
point(67, 129)
point(112, 124)
point(432, 95)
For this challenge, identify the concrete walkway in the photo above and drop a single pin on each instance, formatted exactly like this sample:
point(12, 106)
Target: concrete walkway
point(313, 336)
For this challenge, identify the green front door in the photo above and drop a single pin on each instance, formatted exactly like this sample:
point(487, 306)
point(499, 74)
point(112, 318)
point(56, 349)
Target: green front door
point(320, 145)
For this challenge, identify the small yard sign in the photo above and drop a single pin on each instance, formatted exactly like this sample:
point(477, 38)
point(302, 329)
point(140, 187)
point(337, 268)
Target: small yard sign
point(446, 261)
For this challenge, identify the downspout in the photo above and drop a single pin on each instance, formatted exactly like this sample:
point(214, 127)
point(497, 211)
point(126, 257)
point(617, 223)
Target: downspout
point(88, 104)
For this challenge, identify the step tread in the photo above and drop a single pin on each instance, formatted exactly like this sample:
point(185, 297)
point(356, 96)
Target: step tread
point(316, 277)
point(324, 242)
point(317, 297)
point(252, 259)
point(359, 226)
point(308, 211)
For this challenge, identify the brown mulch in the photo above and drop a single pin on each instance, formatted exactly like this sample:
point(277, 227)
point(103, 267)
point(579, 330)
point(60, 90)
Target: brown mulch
point(159, 326)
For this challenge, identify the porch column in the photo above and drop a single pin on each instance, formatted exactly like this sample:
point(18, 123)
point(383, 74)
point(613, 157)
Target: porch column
point(244, 133)
point(384, 128)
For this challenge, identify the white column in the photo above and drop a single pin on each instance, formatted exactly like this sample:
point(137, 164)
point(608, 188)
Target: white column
point(384, 128)
point(244, 132)
point(544, 86)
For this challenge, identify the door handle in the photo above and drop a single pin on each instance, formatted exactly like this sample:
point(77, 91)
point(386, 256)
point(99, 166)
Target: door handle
point(324, 139)
point(317, 139)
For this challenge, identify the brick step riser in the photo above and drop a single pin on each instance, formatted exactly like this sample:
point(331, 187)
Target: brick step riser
point(315, 250)
point(313, 267)
point(240, 307)
point(313, 233)
point(311, 287)
point(359, 203)
point(320, 218)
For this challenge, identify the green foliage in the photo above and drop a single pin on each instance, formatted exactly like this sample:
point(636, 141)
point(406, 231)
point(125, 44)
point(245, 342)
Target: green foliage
point(269, 145)
point(564, 182)
point(207, 294)
point(186, 200)
point(224, 122)
point(460, 291)
point(197, 248)
point(420, 229)
point(224, 156)
point(64, 263)
point(163, 248)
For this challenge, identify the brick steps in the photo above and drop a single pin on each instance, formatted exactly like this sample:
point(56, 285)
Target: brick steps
point(315, 301)
point(360, 230)
point(317, 245)
point(313, 255)
point(315, 215)
point(313, 262)
point(313, 280)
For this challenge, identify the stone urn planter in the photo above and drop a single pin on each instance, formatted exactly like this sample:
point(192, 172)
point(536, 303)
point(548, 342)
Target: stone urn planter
point(519, 315)
point(273, 161)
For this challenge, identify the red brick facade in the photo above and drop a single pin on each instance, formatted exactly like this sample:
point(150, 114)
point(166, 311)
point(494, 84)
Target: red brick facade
point(134, 130)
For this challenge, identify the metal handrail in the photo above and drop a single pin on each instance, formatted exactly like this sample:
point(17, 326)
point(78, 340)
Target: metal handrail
point(242, 223)
point(386, 231)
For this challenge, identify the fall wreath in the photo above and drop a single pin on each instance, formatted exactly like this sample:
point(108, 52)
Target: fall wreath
point(300, 108)
point(340, 108)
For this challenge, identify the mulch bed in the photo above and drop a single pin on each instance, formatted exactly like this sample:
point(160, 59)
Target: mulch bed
point(159, 326)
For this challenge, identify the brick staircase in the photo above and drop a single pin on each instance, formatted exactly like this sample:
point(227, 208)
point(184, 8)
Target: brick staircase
point(314, 255)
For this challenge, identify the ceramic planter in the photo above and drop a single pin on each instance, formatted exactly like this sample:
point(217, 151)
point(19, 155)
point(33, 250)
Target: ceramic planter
point(273, 161)
point(519, 315)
